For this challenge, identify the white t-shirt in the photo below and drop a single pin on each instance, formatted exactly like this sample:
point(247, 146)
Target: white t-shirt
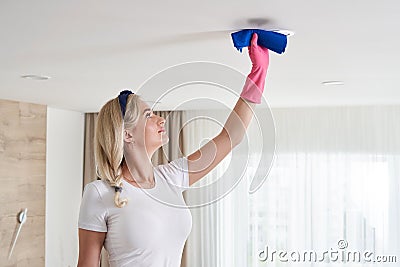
point(152, 228)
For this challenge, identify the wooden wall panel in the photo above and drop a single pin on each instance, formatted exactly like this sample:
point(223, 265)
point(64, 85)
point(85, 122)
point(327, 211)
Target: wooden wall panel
point(22, 181)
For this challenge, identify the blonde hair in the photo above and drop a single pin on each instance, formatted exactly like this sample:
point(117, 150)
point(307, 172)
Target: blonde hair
point(109, 141)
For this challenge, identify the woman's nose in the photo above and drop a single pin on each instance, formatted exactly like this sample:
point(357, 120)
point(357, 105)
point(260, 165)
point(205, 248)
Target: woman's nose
point(162, 120)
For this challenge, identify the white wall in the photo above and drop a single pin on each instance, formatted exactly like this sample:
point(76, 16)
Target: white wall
point(64, 172)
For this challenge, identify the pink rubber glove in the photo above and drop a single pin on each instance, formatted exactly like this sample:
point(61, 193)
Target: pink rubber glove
point(254, 85)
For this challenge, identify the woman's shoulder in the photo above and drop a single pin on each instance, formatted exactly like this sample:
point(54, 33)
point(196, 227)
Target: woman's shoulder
point(179, 163)
point(101, 186)
point(175, 172)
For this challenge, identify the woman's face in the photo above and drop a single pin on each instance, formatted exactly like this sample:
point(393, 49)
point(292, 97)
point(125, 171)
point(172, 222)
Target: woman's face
point(149, 131)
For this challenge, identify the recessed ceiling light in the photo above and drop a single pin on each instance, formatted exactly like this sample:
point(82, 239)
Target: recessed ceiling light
point(35, 77)
point(333, 83)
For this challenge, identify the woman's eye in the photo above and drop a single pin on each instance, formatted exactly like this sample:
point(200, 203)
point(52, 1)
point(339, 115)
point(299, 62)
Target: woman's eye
point(148, 115)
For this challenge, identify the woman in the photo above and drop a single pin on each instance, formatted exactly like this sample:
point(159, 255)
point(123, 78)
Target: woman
point(123, 211)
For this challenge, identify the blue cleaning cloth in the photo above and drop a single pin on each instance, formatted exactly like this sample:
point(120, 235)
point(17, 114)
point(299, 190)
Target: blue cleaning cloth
point(272, 40)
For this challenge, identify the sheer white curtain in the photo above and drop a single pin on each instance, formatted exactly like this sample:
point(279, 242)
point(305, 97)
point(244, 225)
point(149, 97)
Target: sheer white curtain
point(335, 177)
point(217, 238)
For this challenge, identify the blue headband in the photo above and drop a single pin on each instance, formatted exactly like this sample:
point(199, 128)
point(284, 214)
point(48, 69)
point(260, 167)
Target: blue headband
point(123, 98)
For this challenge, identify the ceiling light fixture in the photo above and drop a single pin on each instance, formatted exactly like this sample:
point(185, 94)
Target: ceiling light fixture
point(264, 23)
point(35, 77)
point(284, 32)
point(333, 83)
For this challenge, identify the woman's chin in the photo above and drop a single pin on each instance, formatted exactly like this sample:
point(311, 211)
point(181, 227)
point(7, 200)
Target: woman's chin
point(165, 139)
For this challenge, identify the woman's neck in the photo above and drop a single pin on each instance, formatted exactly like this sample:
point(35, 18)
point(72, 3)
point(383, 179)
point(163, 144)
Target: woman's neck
point(138, 167)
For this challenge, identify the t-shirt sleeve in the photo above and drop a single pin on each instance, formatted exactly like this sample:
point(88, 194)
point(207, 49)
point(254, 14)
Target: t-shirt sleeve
point(176, 173)
point(93, 213)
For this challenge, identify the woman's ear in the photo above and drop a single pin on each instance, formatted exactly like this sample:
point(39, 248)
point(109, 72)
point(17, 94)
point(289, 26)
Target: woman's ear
point(128, 137)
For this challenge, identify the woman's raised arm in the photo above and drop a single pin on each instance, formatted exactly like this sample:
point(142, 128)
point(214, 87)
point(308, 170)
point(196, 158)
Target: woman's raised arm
point(202, 161)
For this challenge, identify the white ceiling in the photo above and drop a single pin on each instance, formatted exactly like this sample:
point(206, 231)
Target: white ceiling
point(92, 49)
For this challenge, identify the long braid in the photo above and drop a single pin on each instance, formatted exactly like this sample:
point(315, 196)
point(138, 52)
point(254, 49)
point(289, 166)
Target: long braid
point(118, 189)
point(109, 143)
